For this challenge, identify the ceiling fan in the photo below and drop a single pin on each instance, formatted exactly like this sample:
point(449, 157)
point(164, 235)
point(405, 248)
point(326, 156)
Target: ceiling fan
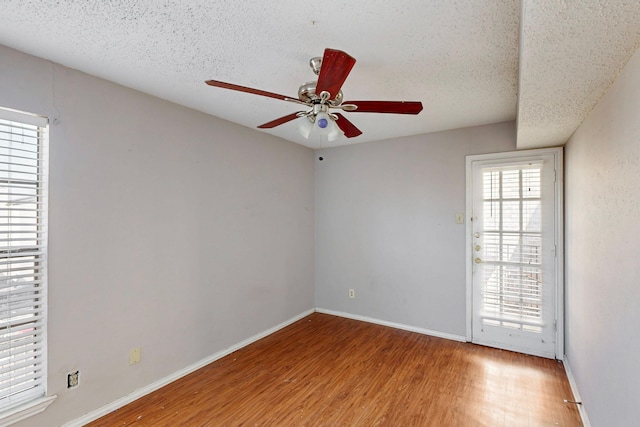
point(325, 94)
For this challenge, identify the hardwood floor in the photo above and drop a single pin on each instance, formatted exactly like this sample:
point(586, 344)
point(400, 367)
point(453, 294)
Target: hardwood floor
point(330, 371)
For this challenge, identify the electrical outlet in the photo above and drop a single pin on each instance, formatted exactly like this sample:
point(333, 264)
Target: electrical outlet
point(73, 379)
point(135, 356)
point(352, 293)
point(459, 218)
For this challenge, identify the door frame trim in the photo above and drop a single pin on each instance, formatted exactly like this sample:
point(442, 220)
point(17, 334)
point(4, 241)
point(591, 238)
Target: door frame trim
point(557, 152)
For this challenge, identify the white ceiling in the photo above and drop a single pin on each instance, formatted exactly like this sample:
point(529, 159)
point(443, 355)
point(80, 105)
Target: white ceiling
point(470, 62)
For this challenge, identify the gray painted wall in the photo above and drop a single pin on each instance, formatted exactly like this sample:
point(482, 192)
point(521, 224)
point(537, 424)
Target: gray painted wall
point(170, 230)
point(185, 234)
point(385, 226)
point(602, 181)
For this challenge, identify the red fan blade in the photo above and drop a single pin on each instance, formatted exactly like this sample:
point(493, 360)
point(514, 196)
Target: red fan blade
point(278, 122)
point(349, 129)
point(224, 85)
point(396, 107)
point(334, 70)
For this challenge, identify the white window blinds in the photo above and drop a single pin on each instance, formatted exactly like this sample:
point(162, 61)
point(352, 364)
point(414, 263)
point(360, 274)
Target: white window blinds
point(23, 257)
point(513, 286)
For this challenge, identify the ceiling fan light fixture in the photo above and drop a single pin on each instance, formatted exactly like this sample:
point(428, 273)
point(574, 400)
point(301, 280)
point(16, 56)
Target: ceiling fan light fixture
point(319, 127)
point(305, 124)
point(325, 127)
point(323, 120)
point(324, 124)
point(335, 133)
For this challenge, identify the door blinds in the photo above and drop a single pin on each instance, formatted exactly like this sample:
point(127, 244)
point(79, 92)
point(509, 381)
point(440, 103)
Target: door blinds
point(23, 256)
point(513, 285)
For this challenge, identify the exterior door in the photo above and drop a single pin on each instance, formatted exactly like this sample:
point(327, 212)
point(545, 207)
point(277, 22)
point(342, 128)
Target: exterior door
point(514, 247)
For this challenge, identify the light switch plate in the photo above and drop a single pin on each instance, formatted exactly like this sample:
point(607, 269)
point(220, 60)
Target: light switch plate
point(134, 356)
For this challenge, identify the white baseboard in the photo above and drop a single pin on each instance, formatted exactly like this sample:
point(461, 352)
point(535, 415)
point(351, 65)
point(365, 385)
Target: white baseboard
point(423, 331)
point(119, 403)
point(116, 404)
point(576, 393)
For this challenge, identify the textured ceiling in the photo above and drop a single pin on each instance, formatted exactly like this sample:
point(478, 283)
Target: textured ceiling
point(459, 57)
point(571, 51)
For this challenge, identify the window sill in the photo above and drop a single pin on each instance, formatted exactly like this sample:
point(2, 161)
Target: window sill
point(26, 410)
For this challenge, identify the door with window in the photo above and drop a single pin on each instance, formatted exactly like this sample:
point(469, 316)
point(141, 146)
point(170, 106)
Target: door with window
point(514, 251)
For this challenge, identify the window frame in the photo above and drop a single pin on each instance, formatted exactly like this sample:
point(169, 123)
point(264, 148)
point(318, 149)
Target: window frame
point(31, 403)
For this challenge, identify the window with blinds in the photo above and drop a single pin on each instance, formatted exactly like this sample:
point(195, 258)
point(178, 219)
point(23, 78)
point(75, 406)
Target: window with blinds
point(512, 292)
point(23, 257)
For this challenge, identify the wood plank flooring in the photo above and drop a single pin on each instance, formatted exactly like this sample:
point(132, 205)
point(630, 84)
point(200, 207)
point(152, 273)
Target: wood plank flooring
point(330, 371)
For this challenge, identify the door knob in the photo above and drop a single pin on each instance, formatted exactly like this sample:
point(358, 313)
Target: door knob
point(478, 260)
point(476, 235)
point(477, 247)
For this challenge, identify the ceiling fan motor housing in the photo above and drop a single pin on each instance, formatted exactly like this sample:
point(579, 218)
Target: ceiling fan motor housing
point(307, 93)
